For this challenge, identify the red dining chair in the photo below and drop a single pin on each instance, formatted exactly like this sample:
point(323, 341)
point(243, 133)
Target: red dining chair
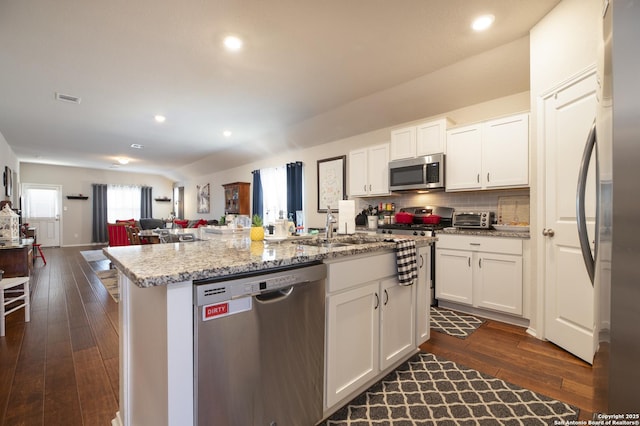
point(118, 234)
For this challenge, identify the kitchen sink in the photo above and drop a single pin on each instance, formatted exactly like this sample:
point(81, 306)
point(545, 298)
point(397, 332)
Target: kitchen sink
point(323, 243)
point(337, 242)
point(332, 245)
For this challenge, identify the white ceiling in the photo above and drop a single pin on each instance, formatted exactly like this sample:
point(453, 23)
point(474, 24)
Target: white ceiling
point(310, 72)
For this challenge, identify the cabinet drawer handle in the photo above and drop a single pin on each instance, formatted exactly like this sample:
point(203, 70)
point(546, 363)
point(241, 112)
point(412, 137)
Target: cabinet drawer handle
point(488, 180)
point(478, 177)
point(421, 261)
point(365, 188)
point(480, 263)
point(474, 244)
point(377, 301)
point(386, 297)
point(469, 261)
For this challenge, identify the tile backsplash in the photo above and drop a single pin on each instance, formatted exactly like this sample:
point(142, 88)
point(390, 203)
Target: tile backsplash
point(460, 201)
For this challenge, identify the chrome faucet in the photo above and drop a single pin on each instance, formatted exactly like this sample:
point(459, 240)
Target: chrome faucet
point(331, 219)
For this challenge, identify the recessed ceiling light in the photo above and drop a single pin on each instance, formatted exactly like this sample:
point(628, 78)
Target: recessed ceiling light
point(160, 118)
point(232, 43)
point(137, 146)
point(123, 161)
point(483, 22)
point(227, 133)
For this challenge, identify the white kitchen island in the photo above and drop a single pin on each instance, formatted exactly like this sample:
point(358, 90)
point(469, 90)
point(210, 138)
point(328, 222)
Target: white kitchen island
point(156, 313)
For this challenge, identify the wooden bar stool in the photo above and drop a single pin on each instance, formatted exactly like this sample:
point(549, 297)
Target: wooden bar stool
point(38, 253)
point(9, 294)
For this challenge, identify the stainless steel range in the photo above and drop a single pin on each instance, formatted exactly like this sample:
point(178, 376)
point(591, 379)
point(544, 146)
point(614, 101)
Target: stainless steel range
point(418, 227)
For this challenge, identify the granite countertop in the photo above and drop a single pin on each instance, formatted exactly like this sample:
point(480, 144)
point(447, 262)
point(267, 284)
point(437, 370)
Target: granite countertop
point(214, 256)
point(486, 233)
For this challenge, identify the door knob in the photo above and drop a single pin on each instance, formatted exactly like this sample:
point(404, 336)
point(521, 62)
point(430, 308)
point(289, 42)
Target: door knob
point(548, 232)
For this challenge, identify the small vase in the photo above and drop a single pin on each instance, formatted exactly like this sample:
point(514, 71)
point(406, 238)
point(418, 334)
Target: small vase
point(257, 233)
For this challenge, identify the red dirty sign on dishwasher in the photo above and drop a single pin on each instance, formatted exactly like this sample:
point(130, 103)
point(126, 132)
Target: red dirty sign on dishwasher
point(223, 309)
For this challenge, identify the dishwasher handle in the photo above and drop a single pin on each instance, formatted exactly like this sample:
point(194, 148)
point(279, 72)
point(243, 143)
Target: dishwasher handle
point(274, 296)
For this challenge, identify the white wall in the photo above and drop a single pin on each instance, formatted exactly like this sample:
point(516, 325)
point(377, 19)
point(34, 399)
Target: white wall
point(563, 44)
point(76, 219)
point(502, 106)
point(8, 159)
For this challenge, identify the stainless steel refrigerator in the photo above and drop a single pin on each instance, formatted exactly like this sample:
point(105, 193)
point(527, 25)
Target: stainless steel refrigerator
point(615, 264)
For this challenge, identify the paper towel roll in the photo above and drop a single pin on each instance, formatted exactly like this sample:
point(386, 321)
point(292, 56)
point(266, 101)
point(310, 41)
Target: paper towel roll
point(346, 217)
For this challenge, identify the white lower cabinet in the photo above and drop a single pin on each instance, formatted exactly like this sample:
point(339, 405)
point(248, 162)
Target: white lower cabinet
point(499, 282)
point(484, 272)
point(454, 275)
point(371, 323)
point(353, 333)
point(423, 295)
point(397, 336)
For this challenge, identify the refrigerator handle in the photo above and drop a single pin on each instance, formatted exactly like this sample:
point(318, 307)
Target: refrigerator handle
point(589, 260)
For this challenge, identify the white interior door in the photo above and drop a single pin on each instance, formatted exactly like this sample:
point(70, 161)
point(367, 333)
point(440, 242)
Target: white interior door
point(41, 209)
point(569, 306)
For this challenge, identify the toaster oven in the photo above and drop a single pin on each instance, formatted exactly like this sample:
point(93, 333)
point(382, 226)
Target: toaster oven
point(477, 220)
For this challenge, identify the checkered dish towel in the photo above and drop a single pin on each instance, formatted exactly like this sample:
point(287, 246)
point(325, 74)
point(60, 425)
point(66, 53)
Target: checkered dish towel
point(406, 260)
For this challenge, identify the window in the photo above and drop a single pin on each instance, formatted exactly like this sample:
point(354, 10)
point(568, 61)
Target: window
point(123, 202)
point(274, 193)
point(41, 202)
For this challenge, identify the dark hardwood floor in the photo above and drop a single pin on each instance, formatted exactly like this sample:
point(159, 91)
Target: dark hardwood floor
point(62, 367)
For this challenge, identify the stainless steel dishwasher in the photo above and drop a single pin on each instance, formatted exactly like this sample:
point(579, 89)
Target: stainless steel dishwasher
point(259, 348)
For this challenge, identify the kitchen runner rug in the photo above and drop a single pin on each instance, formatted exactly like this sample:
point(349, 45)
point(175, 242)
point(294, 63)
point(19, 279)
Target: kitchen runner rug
point(109, 279)
point(453, 323)
point(93, 255)
point(428, 390)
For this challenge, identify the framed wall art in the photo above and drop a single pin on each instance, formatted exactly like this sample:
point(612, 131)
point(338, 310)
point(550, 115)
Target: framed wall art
point(203, 198)
point(8, 181)
point(332, 178)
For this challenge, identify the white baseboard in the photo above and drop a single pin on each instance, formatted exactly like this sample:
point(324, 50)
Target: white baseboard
point(85, 244)
point(485, 313)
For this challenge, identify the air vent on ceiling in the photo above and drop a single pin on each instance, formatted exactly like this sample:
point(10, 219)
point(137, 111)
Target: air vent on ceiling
point(67, 98)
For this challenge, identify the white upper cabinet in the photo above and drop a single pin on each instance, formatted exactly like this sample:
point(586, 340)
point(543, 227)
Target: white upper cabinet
point(403, 143)
point(424, 139)
point(489, 155)
point(431, 137)
point(505, 152)
point(462, 164)
point(358, 172)
point(369, 171)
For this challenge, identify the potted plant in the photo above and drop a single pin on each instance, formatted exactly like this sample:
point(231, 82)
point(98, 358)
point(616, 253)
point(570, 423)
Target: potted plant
point(257, 231)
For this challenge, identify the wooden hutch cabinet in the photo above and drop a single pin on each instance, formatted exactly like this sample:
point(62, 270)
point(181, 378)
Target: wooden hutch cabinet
point(236, 198)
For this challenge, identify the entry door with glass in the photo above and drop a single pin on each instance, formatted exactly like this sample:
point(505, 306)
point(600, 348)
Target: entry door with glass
point(41, 209)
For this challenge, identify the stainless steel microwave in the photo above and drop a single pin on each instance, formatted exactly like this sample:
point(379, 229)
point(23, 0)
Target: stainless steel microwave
point(421, 173)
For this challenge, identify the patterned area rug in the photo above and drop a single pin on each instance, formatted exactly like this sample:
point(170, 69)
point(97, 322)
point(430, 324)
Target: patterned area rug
point(109, 279)
point(427, 390)
point(453, 323)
